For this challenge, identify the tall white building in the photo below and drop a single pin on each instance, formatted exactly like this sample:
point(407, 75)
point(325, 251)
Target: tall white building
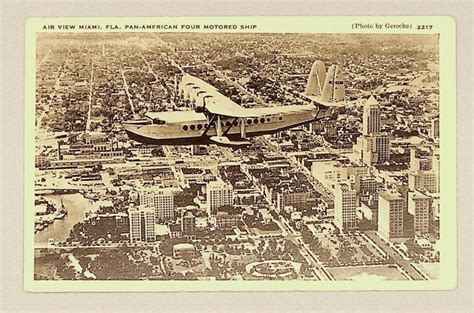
point(218, 194)
point(371, 149)
point(424, 171)
point(142, 224)
point(371, 117)
point(373, 146)
point(419, 205)
point(345, 203)
point(390, 214)
point(161, 200)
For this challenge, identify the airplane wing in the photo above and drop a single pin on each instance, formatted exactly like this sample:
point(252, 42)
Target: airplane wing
point(214, 101)
point(218, 104)
point(225, 107)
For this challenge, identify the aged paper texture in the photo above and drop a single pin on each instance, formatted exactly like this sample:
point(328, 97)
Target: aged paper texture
point(240, 154)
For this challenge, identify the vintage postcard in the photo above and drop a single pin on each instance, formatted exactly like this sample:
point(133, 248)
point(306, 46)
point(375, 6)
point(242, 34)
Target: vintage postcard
point(240, 154)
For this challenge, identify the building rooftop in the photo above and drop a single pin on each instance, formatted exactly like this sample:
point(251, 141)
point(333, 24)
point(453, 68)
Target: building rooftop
point(191, 170)
point(183, 246)
point(188, 214)
point(344, 186)
point(158, 190)
point(390, 195)
point(174, 227)
point(417, 194)
point(371, 102)
point(228, 210)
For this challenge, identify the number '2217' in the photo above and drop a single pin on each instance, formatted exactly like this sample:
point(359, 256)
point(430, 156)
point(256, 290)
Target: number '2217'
point(424, 26)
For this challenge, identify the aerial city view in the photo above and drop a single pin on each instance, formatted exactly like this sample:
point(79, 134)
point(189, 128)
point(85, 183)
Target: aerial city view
point(236, 156)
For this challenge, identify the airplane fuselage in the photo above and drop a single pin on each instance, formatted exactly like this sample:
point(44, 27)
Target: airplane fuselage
point(189, 127)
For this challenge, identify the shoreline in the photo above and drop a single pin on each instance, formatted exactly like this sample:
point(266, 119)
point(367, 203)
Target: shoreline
point(76, 205)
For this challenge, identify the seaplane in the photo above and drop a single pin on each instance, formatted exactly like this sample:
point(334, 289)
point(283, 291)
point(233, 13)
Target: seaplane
point(216, 119)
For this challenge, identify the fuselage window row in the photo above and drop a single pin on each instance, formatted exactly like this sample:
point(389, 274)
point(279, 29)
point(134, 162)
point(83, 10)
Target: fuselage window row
point(262, 120)
point(193, 127)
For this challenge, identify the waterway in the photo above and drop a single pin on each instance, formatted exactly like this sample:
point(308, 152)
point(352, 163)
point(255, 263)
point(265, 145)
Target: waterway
point(76, 206)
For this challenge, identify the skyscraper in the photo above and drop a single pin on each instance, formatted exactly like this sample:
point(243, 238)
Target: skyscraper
point(345, 203)
point(371, 149)
point(382, 147)
point(142, 224)
point(373, 146)
point(371, 117)
point(419, 205)
point(390, 214)
point(161, 200)
point(218, 194)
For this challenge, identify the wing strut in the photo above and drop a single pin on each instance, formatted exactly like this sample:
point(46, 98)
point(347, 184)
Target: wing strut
point(242, 128)
point(323, 111)
point(219, 126)
point(230, 126)
point(209, 124)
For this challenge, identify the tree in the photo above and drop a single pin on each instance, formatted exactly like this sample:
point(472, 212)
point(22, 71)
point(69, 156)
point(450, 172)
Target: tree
point(156, 152)
point(272, 244)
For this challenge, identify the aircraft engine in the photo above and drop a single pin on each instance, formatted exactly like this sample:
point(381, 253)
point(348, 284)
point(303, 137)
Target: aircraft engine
point(199, 108)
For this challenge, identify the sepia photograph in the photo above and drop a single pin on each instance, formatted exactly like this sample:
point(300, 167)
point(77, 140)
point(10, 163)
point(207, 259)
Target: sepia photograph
point(236, 156)
point(223, 155)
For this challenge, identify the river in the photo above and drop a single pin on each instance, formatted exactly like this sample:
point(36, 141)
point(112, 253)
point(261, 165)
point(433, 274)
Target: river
point(76, 205)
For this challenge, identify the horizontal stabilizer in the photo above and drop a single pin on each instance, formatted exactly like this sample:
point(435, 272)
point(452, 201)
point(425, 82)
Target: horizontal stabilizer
point(317, 101)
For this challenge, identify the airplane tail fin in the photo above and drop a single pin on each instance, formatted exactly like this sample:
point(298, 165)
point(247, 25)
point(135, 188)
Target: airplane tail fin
point(333, 90)
point(316, 79)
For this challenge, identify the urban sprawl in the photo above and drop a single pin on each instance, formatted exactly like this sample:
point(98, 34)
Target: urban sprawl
point(352, 197)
